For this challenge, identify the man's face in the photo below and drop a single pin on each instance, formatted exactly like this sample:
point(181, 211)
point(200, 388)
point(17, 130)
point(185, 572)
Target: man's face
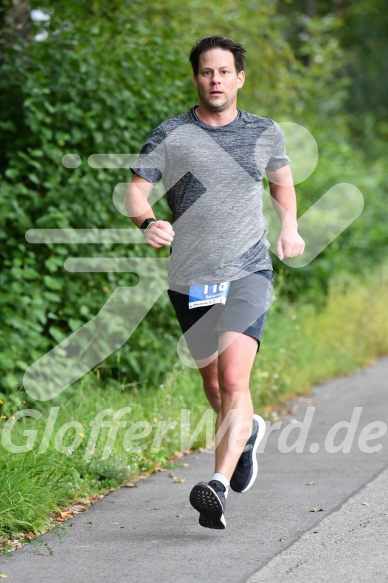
point(217, 81)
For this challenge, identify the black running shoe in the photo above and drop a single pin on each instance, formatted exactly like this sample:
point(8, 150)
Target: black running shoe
point(246, 470)
point(209, 500)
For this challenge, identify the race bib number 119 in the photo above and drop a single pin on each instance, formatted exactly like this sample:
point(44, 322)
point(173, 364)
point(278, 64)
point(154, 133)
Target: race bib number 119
point(209, 294)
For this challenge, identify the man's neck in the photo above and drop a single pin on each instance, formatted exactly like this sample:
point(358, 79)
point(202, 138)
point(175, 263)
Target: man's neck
point(213, 118)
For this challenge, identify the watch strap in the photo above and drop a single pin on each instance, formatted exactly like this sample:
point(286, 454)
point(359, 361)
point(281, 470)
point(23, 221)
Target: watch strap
point(145, 224)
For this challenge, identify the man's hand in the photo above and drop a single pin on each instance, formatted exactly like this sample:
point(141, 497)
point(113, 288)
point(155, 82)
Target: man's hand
point(289, 243)
point(159, 234)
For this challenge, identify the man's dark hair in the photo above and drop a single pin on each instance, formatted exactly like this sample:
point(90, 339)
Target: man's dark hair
point(217, 42)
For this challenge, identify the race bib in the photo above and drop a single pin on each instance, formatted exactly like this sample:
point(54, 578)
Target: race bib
point(206, 295)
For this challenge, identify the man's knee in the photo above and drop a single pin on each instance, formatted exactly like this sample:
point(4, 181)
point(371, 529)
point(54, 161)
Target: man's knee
point(232, 383)
point(211, 387)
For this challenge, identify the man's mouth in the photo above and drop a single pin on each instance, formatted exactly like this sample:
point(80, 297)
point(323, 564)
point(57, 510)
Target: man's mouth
point(216, 93)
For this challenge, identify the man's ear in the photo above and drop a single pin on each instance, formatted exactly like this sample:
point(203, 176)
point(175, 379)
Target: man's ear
point(241, 79)
point(195, 80)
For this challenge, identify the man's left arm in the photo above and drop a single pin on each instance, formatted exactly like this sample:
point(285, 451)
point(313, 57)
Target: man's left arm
point(289, 243)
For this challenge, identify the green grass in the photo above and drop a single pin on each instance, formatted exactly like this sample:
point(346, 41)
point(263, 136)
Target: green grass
point(302, 346)
point(54, 473)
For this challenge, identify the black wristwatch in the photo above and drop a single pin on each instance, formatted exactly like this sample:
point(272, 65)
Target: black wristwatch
point(144, 226)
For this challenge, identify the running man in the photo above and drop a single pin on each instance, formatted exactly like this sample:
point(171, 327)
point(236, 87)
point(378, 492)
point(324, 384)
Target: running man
point(211, 161)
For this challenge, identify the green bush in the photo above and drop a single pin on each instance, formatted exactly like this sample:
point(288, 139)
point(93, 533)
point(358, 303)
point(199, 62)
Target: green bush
point(67, 95)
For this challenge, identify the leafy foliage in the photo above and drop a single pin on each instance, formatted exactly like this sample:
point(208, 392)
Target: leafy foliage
point(68, 95)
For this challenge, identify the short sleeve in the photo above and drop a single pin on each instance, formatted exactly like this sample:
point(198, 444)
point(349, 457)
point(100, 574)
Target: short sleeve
point(152, 160)
point(278, 157)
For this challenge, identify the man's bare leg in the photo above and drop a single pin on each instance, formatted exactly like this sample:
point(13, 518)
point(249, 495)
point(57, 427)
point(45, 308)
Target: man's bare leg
point(235, 361)
point(226, 385)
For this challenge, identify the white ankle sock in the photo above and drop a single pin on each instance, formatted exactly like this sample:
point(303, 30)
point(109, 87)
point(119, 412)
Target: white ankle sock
point(224, 481)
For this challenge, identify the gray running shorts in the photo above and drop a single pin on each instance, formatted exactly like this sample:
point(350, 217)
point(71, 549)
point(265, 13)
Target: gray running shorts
point(245, 311)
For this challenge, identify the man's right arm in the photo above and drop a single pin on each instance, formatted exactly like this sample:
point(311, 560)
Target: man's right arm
point(159, 233)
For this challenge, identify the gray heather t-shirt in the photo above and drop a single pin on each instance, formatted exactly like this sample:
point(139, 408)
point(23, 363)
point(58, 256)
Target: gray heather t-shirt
point(213, 181)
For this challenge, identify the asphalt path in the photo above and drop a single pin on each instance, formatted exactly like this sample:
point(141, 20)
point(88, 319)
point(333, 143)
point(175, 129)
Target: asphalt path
point(313, 515)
